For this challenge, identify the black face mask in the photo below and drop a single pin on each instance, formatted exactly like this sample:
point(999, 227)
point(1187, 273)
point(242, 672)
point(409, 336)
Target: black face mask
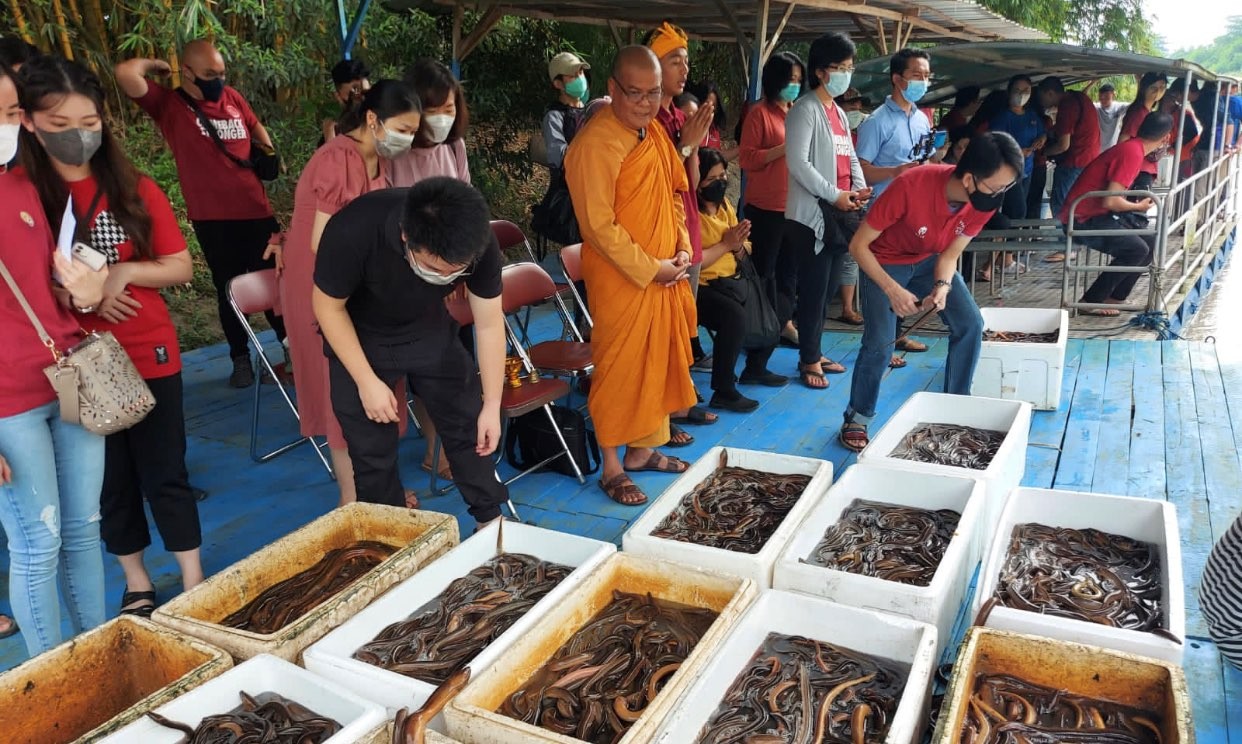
point(212, 90)
point(714, 192)
point(1155, 155)
point(986, 202)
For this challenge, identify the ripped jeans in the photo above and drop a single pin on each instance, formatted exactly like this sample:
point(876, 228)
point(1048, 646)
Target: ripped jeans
point(50, 514)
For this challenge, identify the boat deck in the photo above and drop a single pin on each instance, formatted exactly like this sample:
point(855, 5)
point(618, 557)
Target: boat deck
point(1144, 418)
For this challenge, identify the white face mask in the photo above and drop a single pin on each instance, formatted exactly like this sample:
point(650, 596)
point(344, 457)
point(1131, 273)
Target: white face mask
point(1018, 100)
point(439, 126)
point(392, 144)
point(431, 277)
point(8, 142)
point(855, 118)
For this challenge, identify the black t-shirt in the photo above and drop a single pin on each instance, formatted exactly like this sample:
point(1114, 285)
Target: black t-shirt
point(361, 260)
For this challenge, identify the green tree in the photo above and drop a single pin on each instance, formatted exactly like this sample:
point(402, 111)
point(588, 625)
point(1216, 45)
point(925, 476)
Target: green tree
point(1224, 54)
point(1107, 24)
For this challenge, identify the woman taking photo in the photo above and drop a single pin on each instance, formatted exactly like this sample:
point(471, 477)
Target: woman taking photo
point(381, 127)
point(762, 156)
point(73, 159)
point(724, 245)
point(826, 194)
point(50, 471)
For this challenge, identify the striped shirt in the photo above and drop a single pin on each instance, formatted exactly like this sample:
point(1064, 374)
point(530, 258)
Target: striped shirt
point(1220, 594)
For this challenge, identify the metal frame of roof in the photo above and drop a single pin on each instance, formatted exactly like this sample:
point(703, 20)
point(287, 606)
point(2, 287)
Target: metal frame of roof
point(989, 65)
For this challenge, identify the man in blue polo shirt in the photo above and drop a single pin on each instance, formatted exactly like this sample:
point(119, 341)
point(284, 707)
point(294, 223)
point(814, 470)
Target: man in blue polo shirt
point(889, 141)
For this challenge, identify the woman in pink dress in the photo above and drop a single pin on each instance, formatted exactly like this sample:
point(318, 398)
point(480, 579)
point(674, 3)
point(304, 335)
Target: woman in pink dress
point(382, 127)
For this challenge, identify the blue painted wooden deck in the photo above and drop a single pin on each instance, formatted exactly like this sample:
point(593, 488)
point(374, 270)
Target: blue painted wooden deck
point(1144, 418)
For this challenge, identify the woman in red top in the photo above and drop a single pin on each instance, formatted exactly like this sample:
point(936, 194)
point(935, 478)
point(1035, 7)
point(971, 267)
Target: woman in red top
point(380, 128)
point(76, 164)
point(1151, 90)
point(50, 470)
point(762, 156)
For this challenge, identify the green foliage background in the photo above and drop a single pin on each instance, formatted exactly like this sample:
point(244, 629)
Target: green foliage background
point(279, 51)
point(1224, 54)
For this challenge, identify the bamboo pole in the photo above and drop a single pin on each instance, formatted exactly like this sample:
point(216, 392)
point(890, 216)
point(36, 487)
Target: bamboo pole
point(63, 29)
point(19, 20)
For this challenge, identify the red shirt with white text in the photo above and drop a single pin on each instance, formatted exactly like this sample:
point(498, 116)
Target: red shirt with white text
point(915, 219)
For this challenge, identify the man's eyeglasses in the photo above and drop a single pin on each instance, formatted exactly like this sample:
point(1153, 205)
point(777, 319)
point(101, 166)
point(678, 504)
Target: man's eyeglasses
point(638, 96)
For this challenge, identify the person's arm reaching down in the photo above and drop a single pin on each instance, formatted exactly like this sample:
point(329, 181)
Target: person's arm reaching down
point(489, 334)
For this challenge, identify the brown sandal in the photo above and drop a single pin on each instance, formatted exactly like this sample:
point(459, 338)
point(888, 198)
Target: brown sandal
point(830, 367)
point(854, 437)
point(658, 463)
point(909, 344)
point(811, 375)
point(623, 491)
point(896, 362)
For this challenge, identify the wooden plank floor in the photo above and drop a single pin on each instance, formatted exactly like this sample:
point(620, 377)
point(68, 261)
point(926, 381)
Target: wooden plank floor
point(1144, 418)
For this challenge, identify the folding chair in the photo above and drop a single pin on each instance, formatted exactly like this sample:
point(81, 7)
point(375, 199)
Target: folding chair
point(249, 294)
point(571, 264)
point(527, 284)
point(514, 402)
point(508, 236)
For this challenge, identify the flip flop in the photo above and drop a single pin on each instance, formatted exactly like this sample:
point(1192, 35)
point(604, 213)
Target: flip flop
point(830, 367)
point(13, 629)
point(696, 416)
point(807, 374)
point(673, 431)
point(622, 490)
point(1102, 312)
point(855, 321)
point(671, 465)
point(896, 362)
point(909, 344)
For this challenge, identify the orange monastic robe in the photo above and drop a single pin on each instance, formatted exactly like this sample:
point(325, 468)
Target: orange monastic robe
point(626, 195)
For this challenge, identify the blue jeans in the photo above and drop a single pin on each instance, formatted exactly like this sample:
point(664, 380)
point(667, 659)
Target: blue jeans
point(50, 513)
point(1063, 178)
point(960, 314)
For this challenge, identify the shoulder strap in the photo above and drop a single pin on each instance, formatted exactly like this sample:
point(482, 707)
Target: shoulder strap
point(30, 313)
point(211, 129)
point(82, 224)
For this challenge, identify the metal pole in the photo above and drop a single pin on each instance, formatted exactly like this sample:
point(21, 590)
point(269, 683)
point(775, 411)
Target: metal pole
point(1181, 132)
point(342, 27)
point(355, 28)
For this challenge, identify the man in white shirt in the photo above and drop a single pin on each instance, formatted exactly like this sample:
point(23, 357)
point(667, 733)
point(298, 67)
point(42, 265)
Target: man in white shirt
point(1111, 111)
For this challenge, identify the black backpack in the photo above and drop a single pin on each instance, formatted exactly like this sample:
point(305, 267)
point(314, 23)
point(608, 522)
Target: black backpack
point(531, 436)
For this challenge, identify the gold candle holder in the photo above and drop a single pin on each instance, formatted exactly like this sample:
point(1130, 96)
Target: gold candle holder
point(513, 371)
point(533, 378)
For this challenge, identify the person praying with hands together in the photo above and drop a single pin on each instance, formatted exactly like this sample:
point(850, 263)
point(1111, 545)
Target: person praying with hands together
point(908, 247)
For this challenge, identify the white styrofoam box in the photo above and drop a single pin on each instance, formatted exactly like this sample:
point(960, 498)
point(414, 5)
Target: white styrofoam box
point(1149, 520)
point(878, 634)
point(938, 602)
point(1001, 476)
point(757, 566)
point(1023, 371)
point(330, 657)
point(262, 673)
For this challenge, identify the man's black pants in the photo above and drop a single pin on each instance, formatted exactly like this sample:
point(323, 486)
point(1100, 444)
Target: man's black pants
point(442, 374)
point(233, 248)
point(148, 459)
point(1126, 250)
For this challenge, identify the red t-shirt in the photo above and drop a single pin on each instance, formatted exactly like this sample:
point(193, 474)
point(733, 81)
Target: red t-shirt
point(915, 220)
point(150, 338)
point(673, 119)
point(842, 144)
point(26, 248)
point(214, 187)
point(713, 138)
point(1076, 117)
point(952, 120)
point(1119, 164)
point(1135, 116)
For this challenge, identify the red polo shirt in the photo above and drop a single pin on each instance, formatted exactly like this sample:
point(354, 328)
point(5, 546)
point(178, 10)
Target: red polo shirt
point(914, 217)
point(214, 187)
point(673, 119)
point(1119, 164)
point(1076, 117)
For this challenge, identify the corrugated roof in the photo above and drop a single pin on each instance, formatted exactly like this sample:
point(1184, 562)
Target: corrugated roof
point(990, 65)
point(925, 21)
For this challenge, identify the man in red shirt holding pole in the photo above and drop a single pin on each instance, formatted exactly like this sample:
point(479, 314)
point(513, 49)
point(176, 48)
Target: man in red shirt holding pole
point(225, 200)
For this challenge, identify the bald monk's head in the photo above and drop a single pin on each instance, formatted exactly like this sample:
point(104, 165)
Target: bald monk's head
point(202, 69)
point(635, 86)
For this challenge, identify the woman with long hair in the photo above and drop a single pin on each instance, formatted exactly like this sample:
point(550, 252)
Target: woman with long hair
point(1151, 89)
point(379, 128)
point(51, 471)
point(79, 169)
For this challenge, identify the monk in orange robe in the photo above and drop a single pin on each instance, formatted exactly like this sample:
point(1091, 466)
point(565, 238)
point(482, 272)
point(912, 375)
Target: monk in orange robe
point(626, 182)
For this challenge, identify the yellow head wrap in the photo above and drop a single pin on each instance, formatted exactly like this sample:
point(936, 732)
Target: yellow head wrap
point(668, 38)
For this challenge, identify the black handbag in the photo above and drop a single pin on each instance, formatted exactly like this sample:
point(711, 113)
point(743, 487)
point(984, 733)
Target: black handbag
point(745, 287)
point(531, 440)
point(554, 217)
point(839, 227)
point(263, 160)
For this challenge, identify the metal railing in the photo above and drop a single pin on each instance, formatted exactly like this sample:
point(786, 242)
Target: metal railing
point(1077, 267)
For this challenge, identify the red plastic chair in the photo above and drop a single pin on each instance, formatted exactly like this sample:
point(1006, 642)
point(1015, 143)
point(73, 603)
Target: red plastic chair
point(525, 285)
point(509, 236)
point(250, 294)
point(514, 402)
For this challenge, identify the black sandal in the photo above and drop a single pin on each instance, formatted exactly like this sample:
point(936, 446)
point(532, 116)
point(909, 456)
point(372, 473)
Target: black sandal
point(129, 598)
point(695, 416)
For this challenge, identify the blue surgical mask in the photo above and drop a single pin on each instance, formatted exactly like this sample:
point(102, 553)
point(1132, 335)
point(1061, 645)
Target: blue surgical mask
point(915, 90)
point(838, 83)
point(790, 92)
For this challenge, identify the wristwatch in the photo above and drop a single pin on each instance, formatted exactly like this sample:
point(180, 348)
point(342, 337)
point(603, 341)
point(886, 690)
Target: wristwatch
point(686, 151)
point(942, 283)
point(85, 310)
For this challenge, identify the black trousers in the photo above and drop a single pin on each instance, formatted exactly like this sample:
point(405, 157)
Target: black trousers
point(720, 313)
point(233, 248)
point(148, 460)
point(1126, 250)
point(814, 271)
point(1035, 192)
point(773, 259)
point(442, 374)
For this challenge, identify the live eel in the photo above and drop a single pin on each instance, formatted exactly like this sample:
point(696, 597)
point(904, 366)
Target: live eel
point(950, 444)
point(896, 543)
point(266, 718)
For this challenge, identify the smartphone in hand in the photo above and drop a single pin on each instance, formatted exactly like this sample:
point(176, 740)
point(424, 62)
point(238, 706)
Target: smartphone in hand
point(89, 256)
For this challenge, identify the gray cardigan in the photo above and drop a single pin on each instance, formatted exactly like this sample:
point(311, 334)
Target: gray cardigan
point(810, 154)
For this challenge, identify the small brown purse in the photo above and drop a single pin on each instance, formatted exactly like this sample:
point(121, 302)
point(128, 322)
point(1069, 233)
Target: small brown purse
point(97, 383)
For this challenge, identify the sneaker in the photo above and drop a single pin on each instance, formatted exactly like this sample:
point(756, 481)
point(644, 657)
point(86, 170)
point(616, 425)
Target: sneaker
point(243, 372)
